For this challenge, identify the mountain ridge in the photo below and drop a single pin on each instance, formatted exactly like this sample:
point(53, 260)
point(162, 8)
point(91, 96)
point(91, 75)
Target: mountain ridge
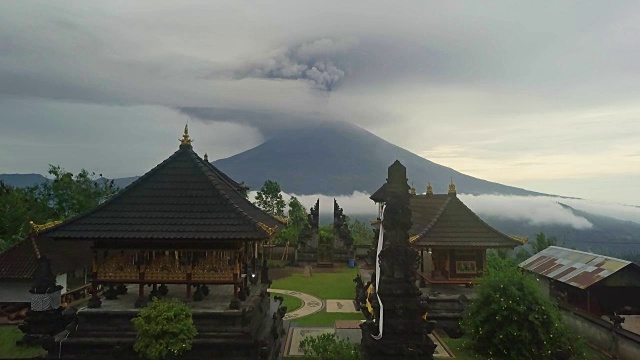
point(340, 158)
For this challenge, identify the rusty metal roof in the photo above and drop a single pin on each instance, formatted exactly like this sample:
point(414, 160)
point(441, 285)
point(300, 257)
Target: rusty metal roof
point(573, 267)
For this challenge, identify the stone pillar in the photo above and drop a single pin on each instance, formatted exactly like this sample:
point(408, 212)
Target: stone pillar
point(405, 332)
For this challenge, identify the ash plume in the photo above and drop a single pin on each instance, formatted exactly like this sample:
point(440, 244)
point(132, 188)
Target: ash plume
point(318, 62)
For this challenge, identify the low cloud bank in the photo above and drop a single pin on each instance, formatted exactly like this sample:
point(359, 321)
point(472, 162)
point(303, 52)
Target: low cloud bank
point(535, 210)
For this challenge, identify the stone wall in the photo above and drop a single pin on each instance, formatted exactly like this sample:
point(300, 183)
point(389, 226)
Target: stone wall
point(599, 333)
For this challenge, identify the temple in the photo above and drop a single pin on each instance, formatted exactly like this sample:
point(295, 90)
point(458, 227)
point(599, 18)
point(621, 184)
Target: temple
point(184, 225)
point(452, 239)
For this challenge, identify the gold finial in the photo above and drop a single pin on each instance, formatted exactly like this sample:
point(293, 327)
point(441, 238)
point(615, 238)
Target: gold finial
point(185, 137)
point(452, 187)
point(413, 189)
point(429, 189)
point(206, 157)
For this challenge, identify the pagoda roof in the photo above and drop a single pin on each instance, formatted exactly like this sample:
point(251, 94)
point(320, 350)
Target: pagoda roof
point(183, 198)
point(443, 220)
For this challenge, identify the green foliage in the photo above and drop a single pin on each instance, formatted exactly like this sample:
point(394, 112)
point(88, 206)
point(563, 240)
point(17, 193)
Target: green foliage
point(69, 195)
point(329, 347)
point(269, 198)
point(511, 318)
point(362, 234)
point(62, 197)
point(543, 242)
point(163, 328)
point(9, 334)
point(297, 222)
point(325, 234)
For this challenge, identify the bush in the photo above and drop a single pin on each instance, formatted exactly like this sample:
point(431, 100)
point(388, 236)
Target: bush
point(329, 347)
point(164, 328)
point(511, 318)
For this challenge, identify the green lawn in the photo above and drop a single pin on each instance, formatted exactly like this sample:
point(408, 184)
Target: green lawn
point(292, 303)
point(330, 285)
point(335, 285)
point(323, 318)
point(9, 334)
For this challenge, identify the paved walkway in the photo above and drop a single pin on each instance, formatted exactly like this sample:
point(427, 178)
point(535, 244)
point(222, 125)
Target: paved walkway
point(310, 304)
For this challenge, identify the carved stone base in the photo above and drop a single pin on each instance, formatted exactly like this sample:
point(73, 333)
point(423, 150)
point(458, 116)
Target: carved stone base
point(94, 303)
point(140, 303)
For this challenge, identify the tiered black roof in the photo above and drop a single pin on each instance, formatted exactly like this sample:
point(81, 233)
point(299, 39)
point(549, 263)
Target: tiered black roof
point(443, 220)
point(183, 198)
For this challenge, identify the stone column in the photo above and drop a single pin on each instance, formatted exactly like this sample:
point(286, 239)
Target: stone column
point(405, 332)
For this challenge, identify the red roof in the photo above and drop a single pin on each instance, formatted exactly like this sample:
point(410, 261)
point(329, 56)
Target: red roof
point(19, 261)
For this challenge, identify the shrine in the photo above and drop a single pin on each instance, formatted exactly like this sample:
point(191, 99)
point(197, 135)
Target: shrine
point(452, 239)
point(184, 225)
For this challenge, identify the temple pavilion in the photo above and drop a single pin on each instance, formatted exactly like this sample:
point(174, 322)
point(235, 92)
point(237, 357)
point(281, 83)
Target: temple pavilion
point(182, 225)
point(451, 239)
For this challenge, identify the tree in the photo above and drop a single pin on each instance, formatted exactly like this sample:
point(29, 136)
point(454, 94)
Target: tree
point(361, 233)
point(60, 198)
point(17, 208)
point(329, 347)
point(269, 198)
point(543, 242)
point(297, 221)
point(511, 319)
point(164, 328)
point(69, 195)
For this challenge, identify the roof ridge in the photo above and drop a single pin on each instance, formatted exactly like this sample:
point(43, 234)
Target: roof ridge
point(118, 195)
point(235, 185)
point(487, 225)
point(433, 221)
point(224, 193)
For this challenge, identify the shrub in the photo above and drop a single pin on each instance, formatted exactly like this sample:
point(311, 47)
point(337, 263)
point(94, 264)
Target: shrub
point(164, 328)
point(329, 347)
point(511, 318)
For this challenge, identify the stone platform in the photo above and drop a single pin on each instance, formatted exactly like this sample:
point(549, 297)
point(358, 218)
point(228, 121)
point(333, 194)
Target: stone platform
point(255, 331)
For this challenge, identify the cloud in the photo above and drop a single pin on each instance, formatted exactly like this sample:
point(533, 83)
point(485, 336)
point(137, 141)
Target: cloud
point(316, 62)
point(533, 210)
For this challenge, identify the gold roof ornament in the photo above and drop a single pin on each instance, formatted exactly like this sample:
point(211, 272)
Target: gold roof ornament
point(270, 230)
point(206, 157)
point(429, 189)
point(282, 219)
point(452, 187)
point(413, 189)
point(186, 140)
point(38, 228)
point(414, 238)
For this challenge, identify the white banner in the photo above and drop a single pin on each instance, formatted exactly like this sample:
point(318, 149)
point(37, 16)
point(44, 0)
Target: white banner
point(380, 241)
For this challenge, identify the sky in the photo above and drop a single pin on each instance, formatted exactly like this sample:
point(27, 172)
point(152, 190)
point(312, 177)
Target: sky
point(539, 95)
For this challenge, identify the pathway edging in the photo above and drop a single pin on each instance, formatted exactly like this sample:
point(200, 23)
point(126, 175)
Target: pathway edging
point(310, 303)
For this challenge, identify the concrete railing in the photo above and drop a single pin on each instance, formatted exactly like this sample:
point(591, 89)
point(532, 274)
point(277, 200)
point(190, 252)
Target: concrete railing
point(602, 334)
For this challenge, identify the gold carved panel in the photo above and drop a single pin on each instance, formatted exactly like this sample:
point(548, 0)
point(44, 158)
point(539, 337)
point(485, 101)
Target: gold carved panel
point(118, 266)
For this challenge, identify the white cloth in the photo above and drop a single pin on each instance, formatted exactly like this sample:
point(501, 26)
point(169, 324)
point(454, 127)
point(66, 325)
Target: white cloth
point(380, 241)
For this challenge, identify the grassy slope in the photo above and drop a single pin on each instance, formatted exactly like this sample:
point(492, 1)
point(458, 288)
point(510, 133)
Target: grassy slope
point(9, 334)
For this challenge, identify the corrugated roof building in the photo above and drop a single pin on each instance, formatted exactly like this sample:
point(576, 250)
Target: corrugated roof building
point(596, 283)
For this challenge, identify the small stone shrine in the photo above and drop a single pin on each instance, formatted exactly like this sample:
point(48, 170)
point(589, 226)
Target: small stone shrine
point(44, 318)
point(398, 329)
